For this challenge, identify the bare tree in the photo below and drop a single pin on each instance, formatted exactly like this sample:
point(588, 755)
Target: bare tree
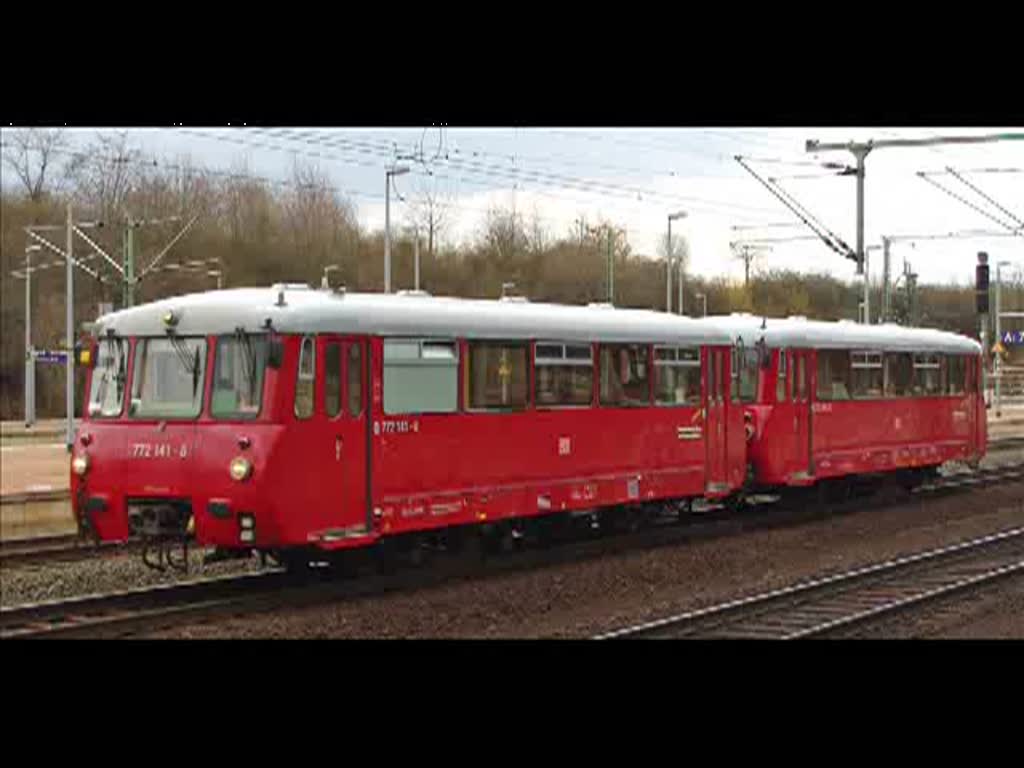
point(538, 234)
point(431, 211)
point(30, 153)
point(104, 174)
point(503, 233)
point(680, 249)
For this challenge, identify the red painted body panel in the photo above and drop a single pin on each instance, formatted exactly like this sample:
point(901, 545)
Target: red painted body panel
point(311, 484)
point(857, 437)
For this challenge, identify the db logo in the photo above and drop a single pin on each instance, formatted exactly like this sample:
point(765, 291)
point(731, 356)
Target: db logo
point(564, 446)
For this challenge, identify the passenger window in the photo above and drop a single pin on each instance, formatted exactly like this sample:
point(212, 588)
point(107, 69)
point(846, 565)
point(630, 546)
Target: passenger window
point(957, 379)
point(564, 374)
point(834, 378)
point(929, 374)
point(496, 376)
point(304, 382)
point(355, 379)
point(676, 376)
point(332, 379)
point(420, 376)
point(899, 373)
point(780, 378)
point(624, 379)
point(867, 375)
point(971, 371)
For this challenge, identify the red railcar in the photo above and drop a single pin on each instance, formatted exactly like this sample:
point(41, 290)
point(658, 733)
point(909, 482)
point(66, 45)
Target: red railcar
point(273, 419)
point(826, 400)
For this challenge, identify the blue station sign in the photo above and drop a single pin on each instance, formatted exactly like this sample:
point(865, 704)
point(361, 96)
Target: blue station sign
point(1012, 338)
point(51, 356)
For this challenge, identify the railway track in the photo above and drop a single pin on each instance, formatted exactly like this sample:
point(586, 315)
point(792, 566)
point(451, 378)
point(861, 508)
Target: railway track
point(121, 613)
point(69, 548)
point(823, 606)
point(59, 548)
point(136, 611)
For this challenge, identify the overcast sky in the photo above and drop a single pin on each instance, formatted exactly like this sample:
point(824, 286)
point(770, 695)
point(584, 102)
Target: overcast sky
point(636, 177)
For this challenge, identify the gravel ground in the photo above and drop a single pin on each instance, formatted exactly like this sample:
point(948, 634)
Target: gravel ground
point(578, 600)
point(33, 583)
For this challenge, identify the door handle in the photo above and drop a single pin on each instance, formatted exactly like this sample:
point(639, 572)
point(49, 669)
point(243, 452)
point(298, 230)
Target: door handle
point(337, 449)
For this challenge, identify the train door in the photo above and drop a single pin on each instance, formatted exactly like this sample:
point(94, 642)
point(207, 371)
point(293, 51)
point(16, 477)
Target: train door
point(800, 395)
point(334, 436)
point(714, 433)
point(350, 427)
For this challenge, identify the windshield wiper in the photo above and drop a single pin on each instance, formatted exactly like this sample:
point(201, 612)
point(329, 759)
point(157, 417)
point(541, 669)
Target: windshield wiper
point(249, 366)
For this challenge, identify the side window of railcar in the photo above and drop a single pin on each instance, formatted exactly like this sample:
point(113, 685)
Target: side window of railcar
point(834, 378)
point(355, 379)
point(496, 377)
point(956, 365)
point(676, 376)
point(780, 379)
point(305, 379)
point(624, 379)
point(929, 373)
point(899, 374)
point(420, 376)
point(106, 397)
point(564, 374)
point(867, 375)
point(332, 379)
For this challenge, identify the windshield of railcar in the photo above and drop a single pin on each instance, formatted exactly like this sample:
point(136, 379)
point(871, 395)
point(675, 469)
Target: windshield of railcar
point(167, 378)
point(238, 376)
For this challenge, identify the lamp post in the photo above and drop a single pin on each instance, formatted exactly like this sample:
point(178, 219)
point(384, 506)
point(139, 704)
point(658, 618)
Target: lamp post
point(395, 171)
point(668, 266)
point(30, 359)
point(704, 299)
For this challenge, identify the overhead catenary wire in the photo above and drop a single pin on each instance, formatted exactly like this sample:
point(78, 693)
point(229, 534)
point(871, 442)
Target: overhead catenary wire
point(830, 239)
point(555, 179)
point(966, 202)
point(983, 195)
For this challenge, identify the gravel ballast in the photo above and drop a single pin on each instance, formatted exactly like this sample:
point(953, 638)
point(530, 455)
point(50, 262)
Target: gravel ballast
point(582, 599)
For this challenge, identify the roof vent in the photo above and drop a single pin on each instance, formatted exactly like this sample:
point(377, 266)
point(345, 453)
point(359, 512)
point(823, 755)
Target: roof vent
point(802, 318)
point(412, 293)
point(515, 299)
point(600, 305)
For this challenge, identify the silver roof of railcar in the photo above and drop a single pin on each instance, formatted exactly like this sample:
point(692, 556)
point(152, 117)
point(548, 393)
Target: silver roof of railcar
point(306, 310)
point(799, 332)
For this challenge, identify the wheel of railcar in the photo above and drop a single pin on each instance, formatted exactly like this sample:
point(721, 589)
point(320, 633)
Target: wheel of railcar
point(684, 510)
point(385, 557)
point(734, 504)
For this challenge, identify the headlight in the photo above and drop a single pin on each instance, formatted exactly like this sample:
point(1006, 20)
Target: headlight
point(80, 464)
point(240, 468)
